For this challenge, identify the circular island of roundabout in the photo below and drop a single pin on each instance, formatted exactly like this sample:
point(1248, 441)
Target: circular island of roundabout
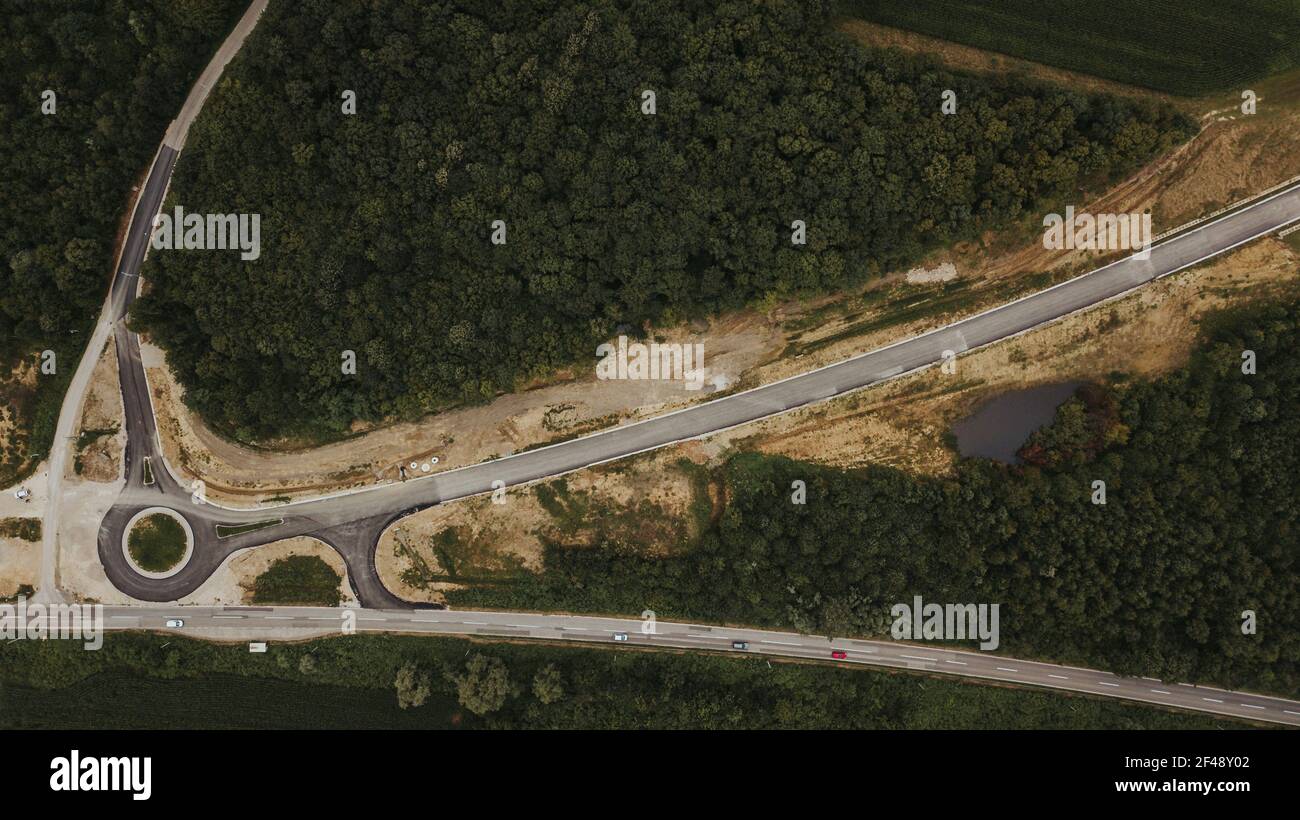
point(157, 542)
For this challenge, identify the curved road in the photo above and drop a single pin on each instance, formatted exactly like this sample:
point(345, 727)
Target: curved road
point(352, 523)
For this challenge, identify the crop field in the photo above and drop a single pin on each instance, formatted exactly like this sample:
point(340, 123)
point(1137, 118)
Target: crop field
point(1184, 47)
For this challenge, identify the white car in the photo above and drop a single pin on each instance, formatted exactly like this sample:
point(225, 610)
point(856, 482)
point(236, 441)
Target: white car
point(175, 623)
point(22, 493)
point(620, 636)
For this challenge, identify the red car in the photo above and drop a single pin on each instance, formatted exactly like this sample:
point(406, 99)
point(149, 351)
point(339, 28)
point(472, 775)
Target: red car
point(839, 654)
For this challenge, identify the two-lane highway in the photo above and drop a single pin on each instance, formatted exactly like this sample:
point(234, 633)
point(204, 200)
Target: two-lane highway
point(352, 522)
point(294, 623)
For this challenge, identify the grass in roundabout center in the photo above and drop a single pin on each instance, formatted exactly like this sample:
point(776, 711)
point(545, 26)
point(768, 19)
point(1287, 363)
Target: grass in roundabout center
point(157, 542)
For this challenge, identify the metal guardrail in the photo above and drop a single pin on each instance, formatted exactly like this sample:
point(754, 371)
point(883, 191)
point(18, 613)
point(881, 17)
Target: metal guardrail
point(1287, 183)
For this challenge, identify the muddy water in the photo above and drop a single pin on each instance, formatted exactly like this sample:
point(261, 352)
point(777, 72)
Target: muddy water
point(999, 426)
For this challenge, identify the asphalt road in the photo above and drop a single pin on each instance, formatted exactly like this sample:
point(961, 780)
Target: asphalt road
point(257, 623)
point(352, 522)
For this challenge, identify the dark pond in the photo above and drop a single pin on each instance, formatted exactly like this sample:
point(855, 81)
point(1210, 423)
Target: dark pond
point(1000, 426)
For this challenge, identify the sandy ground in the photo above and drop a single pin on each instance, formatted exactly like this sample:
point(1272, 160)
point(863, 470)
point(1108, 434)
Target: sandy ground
point(1226, 161)
point(901, 423)
point(20, 563)
point(571, 406)
point(101, 458)
point(232, 583)
point(1233, 156)
point(34, 505)
point(80, 574)
point(1145, 334)
point(643, 502)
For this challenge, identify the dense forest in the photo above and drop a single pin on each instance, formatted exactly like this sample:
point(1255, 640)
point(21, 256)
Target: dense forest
point(376, 225)
point(142, 680)
point(1200, 524)
point(118, 72)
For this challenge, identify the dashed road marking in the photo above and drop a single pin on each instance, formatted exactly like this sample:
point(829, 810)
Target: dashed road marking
point(1059, 677)
point(1007, 669)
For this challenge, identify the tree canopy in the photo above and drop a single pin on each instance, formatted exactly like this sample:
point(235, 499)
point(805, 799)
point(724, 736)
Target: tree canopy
point(376, 225)
point(1200, 527)
point(118, 72)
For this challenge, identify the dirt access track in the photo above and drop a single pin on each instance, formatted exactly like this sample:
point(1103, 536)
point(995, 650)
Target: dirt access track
point(1233, 156)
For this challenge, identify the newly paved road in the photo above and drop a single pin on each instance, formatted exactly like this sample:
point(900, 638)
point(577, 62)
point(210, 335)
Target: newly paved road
point(352, 522)
point(286, 623)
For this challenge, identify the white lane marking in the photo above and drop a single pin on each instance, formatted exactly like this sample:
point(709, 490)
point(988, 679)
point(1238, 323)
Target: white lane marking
point(916, 657)
point(1289, 712)
point(575, 628)
point(279, 617)
point(959, 663)
point(124, 616)
point(1251, 706)
point(321, 618)
point(1160, 691)
point(428, 621)
point(227, 616)
point(782, 643)
point(475, 623)
point(1059, 677)
point(1104, 683)
point(1007, 669)
point(1212, 700)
